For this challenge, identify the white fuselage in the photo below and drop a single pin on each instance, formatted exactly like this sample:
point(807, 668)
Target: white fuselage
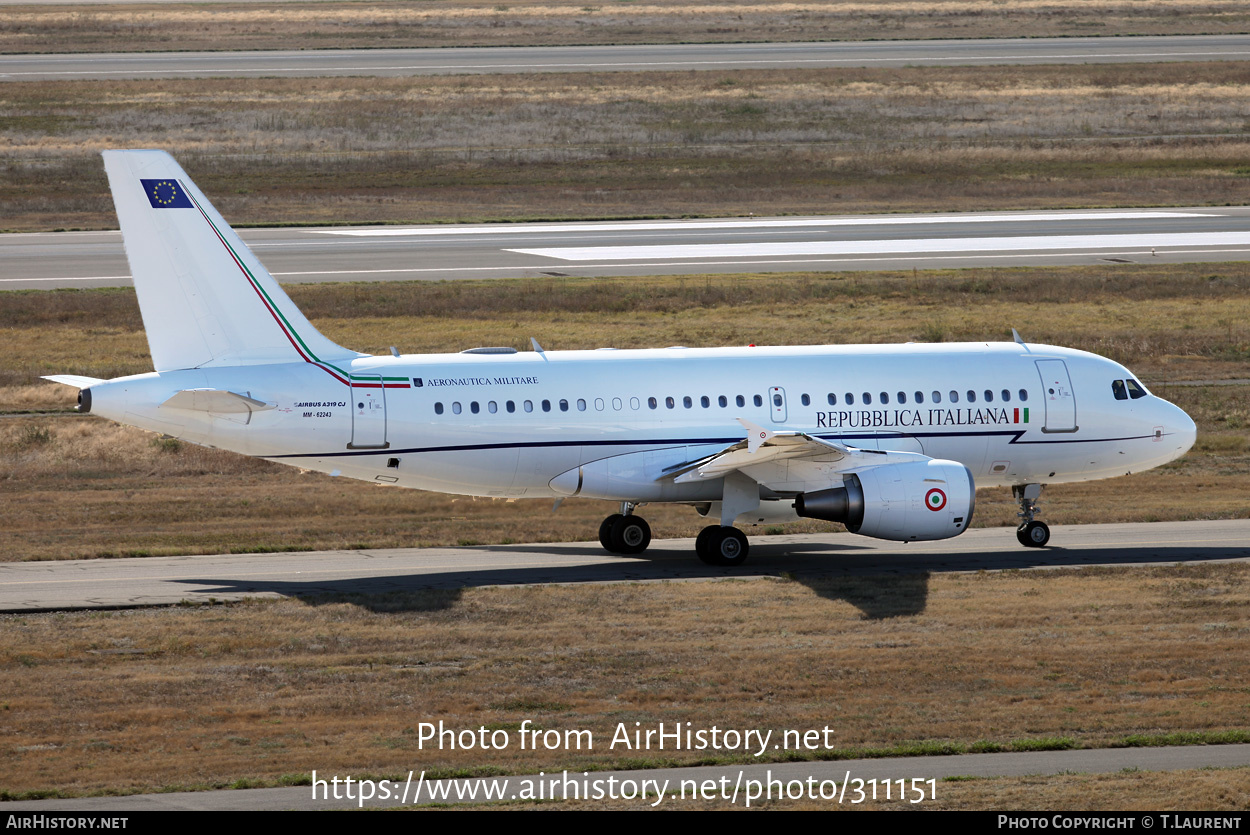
point(511, 424)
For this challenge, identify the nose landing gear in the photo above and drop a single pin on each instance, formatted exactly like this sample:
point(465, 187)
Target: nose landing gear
point(1031, 533)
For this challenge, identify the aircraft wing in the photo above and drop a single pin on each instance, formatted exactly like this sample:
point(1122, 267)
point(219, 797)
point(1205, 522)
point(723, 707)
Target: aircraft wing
point(761, 446)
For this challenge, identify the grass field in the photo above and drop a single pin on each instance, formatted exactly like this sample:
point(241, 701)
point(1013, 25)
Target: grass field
point(266, 692)
point(432, 23)
point(82, 487)
point(640, 144)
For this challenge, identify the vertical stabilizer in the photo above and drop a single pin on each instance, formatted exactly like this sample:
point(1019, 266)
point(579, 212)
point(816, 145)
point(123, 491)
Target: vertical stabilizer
point(205, 298)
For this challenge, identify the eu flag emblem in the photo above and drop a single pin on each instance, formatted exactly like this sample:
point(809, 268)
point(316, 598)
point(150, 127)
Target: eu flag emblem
point(166, 194)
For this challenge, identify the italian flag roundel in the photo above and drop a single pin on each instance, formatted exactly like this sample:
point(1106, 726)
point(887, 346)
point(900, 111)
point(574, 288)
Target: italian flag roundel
point(935, 499)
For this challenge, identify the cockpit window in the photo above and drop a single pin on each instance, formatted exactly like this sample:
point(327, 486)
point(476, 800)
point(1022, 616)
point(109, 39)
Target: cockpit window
point(1135, 390)
point(1118, 390)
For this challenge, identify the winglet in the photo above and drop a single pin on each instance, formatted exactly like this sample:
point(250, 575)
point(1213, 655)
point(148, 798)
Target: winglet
point(756, 435)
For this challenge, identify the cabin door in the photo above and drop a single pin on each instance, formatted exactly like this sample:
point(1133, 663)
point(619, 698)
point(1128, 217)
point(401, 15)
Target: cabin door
point(368, 413)
point(1058, 396)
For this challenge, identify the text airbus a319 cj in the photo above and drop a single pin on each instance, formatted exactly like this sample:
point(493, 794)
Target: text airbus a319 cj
point(890, 440)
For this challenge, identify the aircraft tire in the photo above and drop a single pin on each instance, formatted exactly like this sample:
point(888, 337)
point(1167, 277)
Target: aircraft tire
point(701, 544)
point(728, 547)
point(1033, 535)
point(605, 532)
point(630, 535)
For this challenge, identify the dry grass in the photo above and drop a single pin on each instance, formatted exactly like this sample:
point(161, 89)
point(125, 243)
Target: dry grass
point(1167, 322)
point(80, 487)
point(138, 700)
point(122, 28)
point(633, 144)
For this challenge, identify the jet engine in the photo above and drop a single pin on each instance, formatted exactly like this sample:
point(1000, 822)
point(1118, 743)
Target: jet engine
point(914, 500)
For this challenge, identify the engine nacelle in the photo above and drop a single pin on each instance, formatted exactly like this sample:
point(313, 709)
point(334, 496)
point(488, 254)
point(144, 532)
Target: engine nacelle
point(909, 501)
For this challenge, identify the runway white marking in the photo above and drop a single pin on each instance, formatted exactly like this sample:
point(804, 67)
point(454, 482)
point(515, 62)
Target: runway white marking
point(746, 223)
point(514, 268)
point(880, 247)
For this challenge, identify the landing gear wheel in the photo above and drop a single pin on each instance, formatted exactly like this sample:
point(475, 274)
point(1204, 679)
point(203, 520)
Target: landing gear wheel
point(605, 532)
point(701, 544)
point(630, 535)
point(1033, 534)
point(722, 546)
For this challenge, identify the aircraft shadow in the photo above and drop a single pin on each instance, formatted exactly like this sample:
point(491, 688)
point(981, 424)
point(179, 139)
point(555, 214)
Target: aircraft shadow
point(879, 584)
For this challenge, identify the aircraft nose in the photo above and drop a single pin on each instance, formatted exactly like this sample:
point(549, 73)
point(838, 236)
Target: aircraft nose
point(1179, 426)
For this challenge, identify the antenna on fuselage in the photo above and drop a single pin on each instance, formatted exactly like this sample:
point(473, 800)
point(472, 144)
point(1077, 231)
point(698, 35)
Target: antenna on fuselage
point(1015, 334)
point(538, 348)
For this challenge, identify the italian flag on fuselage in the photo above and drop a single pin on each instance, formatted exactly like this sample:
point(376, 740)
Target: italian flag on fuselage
point(1018, 417)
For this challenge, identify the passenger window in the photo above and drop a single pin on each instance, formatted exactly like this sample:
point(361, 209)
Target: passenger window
point(564, 405)
point(474, 408)
point(920, 397)
point(546, 405)
point(954, 396)
point(740, 400)
point(635, 403)
point(510, 406)
point(1024, 394)
point(867, 399)
point(777, 400)
point(438, 408)
point(1135, 391)
point(581, 405)
point(850, 399)
point(616, 403)
point(599, 404)
point(885, 398)
point(687, 402)
point(529, 405)
point(652, 402)
point(972, 396)
point(937, 397)
point(759, 401)
point(455, 407)
point(1118, 391)
point(492, 407)
point(1006, 395)
point(723, 401)
point(902, 397)
point(989, 396)
point(807, 401)
point(833, 400)
point(704, 401)
point(670, 402)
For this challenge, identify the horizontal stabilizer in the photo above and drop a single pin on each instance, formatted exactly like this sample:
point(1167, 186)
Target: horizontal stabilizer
point(216, 400)
point(73, 380)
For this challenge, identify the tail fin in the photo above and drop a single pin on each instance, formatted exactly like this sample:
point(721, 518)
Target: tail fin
point(205, 298)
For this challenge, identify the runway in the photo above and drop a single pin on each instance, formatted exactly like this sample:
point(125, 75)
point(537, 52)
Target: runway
point(903, 769)
point(165, 581)
point(53, 260)
point(409, 62)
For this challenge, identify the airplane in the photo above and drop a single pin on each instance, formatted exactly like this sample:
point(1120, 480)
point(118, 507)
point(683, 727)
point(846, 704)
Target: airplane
point(892, 441)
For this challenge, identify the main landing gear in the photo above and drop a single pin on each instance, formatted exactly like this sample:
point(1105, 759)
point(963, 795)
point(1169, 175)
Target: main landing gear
point(625, 533)
point(1031, 533)
point(719, 545)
